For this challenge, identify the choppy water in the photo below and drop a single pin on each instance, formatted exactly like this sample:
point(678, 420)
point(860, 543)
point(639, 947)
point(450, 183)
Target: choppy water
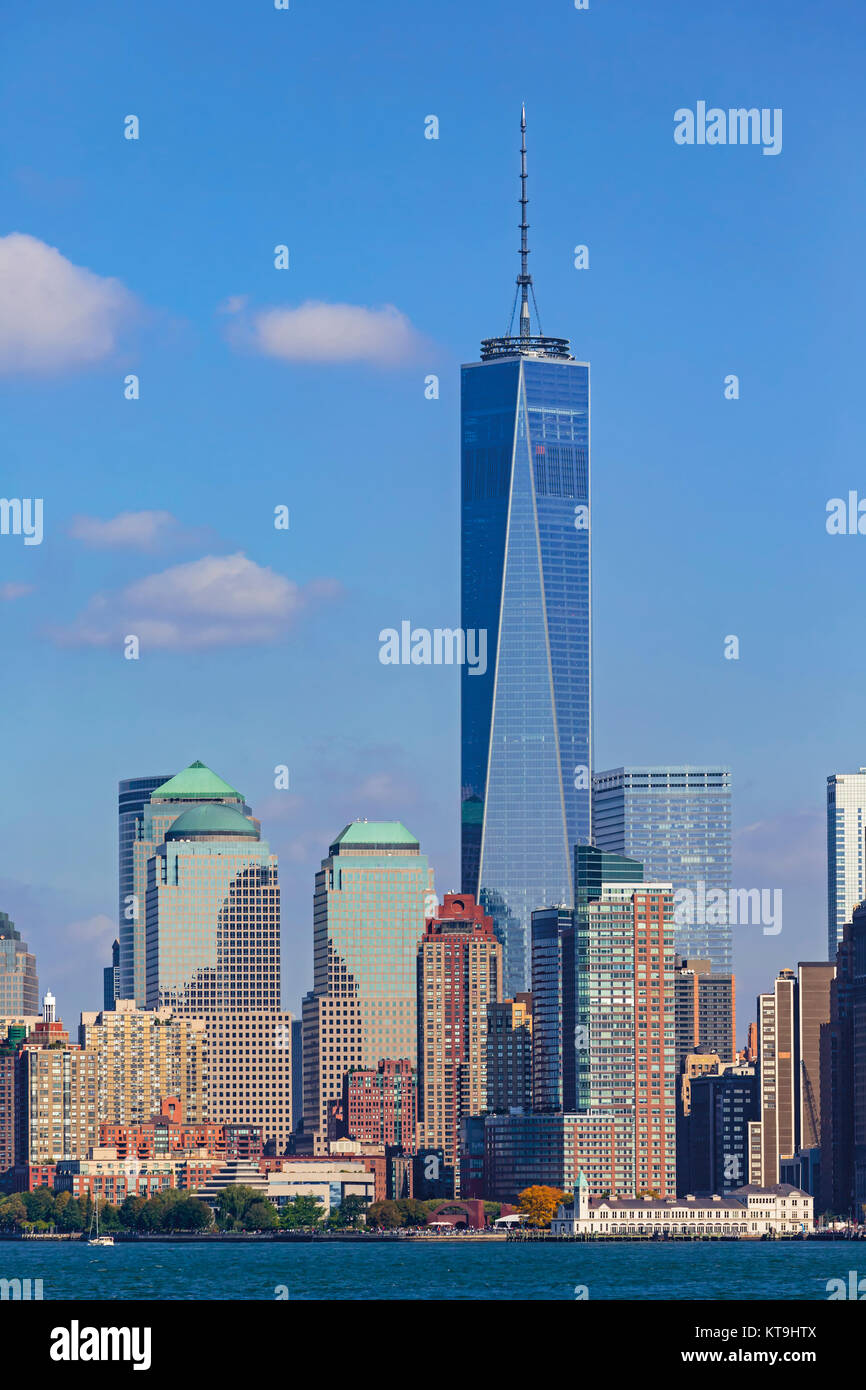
point(427, 1270)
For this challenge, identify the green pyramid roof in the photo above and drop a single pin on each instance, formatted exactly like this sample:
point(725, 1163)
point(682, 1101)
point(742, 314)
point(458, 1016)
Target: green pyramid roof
point(375, 832)
point(211, 820)
point(196, 783)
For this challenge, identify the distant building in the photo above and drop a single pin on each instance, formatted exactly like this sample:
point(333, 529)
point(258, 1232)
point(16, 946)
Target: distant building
point(748, 1211)
point(133, 794)
point(676, 821)
point(459, 976)
point(846, 860)
point(509, 1054)
point(168, 1135)
point(368, 918)
point(111, 978)
point(704, 1010)
point(381, 1106)
point(550, 1150)
point(19, 983)
point(143, 1056)
point(721, 1106)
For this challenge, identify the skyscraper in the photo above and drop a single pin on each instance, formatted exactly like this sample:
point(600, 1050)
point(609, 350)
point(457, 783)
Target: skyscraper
point(212, 912)
point(704, 1011)
point(525, 580)
point(846, 851)
point(677, 822)
point(133, 794)
point(459, 975)
point(368, 918)
point(19, 983)
point(146, 812)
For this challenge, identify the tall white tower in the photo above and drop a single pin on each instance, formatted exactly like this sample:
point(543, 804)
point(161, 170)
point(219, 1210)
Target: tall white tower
point(846, 853)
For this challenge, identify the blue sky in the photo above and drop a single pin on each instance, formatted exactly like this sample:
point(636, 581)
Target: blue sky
point(306, 128)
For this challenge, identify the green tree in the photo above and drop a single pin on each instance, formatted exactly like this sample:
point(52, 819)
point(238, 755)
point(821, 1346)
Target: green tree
point(413, 1212)
point(301, 1212)
point(385, 1215)
point(187, 1214)
point(348, 1216)
point(261, 1216)
point(231, 1204)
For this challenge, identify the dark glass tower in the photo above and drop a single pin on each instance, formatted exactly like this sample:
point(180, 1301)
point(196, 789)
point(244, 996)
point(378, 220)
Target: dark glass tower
point(525, 579)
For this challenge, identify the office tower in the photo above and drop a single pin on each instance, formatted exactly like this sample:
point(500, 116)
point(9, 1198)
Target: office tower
point(111, 978)
point(213, 916)
point(297, 1074)
point(380, 1106)
point(509, 1054)
point(693, 1065)
point(19, 983)
point(133, 794)
point(704, 1010)
point(552, 932)
point(146, 814)
point(814, 979)
point(624, 967)
point(143, 1056)
point(846, 859)
point(522, 1150)
point(790, 1024)
point(836, 1188)
point(459, 974)
point(213, 952)
point(677, 822)
point(525, 583)
point(721, 1107)
point(777, 1053)
point(368, 918)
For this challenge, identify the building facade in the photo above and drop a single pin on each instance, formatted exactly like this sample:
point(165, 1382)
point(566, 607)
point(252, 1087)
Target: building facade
point(846, 851)
point(509, 1054)
point(459, 976)
point(747, 1212)
point(381, 1106)
point(525, 584)
point(704, 1010)
point(142, 1057)
point(676, 821)
point(19, 982)
point(369, 907)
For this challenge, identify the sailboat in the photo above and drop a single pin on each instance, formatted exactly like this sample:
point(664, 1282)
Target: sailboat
point(97, 1239)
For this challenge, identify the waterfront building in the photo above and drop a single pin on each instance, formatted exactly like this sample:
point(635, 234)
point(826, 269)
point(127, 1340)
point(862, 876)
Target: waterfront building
point(524, 1150)
point(459, 975)
point(509, 1054)
point(104, 1175)
point(676, 821)
point(368, 920)
point(525, 585)
point(143, 1056)
point(846, 851)
point(747, 1212)
point(168, 1134)
point(380, 1106)
point(722, 1104)
point(19, 982)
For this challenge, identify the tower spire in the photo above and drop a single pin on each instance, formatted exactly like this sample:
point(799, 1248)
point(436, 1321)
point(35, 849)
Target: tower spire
point(524, 279)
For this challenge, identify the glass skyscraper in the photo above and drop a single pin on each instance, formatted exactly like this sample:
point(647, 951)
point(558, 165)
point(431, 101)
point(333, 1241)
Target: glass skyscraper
point(133, 794)
point(677, 822)
point(525, 579)
point(19, 983)
point(846, 851)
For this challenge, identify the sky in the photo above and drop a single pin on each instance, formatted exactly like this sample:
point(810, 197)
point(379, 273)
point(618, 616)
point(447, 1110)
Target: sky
point(304, 388)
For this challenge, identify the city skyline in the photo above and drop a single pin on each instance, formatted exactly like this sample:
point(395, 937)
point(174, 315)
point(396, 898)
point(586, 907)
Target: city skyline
point(203, 404)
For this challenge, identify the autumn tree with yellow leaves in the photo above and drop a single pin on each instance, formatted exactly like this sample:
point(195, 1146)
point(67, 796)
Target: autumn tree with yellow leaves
point(538, 1204)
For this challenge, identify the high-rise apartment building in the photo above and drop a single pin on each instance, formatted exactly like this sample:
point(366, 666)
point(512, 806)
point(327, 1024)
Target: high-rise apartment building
point(459, 975)
point(368, 919)
point(146, 813)
point(676, 821)
point(509, 1054)
point(525, 585)
point(625, 1056)
point(722, 1105)
point(704, 1011)
point(19, 983)
point(144, 1056)
point(381, 1106)
point(846, 851)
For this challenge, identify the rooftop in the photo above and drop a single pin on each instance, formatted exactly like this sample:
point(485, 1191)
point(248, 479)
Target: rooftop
point(196, 783)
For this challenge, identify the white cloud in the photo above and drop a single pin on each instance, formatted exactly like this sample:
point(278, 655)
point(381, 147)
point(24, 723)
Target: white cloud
point(54, 314)
point(12, 591)
point(220, 600)
point(145, 530)
point(318, 332)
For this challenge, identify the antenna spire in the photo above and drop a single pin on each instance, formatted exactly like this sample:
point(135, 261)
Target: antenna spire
point(524, 279)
